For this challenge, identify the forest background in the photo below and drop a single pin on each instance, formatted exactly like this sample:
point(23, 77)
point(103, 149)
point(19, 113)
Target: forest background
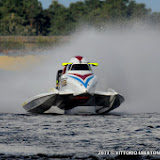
point(45, 26)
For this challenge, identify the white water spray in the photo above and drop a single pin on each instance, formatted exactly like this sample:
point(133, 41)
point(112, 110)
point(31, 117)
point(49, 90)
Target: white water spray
point(128, 62)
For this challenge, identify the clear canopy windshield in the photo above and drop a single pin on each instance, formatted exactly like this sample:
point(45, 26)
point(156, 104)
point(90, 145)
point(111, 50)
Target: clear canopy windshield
point(80, 67)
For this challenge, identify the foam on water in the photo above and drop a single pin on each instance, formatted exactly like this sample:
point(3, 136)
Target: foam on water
point(128, 62)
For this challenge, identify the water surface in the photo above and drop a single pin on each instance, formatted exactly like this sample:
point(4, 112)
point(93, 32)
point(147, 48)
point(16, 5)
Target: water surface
point(70, 136)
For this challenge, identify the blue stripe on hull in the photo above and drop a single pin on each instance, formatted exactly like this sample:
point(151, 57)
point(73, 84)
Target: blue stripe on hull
point(86, 83)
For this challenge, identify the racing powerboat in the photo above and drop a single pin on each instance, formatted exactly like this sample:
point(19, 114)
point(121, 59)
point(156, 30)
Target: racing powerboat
point(75, 91)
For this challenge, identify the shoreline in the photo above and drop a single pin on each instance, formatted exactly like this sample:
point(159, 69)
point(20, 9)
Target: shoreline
point(15, 44)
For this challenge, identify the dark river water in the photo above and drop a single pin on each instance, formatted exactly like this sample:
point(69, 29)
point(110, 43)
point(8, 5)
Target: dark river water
point(113, 136)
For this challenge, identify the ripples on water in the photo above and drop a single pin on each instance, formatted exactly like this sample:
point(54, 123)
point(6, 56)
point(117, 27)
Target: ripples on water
point(26, 136)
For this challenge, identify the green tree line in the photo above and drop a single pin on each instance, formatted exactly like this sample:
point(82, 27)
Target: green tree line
point(27, 17)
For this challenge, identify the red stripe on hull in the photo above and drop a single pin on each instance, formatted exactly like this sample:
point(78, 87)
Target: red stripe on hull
point(79, 97)
point(82, 76)
point(79, 58)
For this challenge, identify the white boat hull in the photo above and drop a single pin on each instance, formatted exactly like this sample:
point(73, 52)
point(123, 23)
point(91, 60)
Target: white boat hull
point(67, 103)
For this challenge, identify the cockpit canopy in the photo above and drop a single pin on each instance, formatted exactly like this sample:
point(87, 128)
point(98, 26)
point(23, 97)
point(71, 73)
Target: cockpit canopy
point(78, 63)
point(78, 67)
